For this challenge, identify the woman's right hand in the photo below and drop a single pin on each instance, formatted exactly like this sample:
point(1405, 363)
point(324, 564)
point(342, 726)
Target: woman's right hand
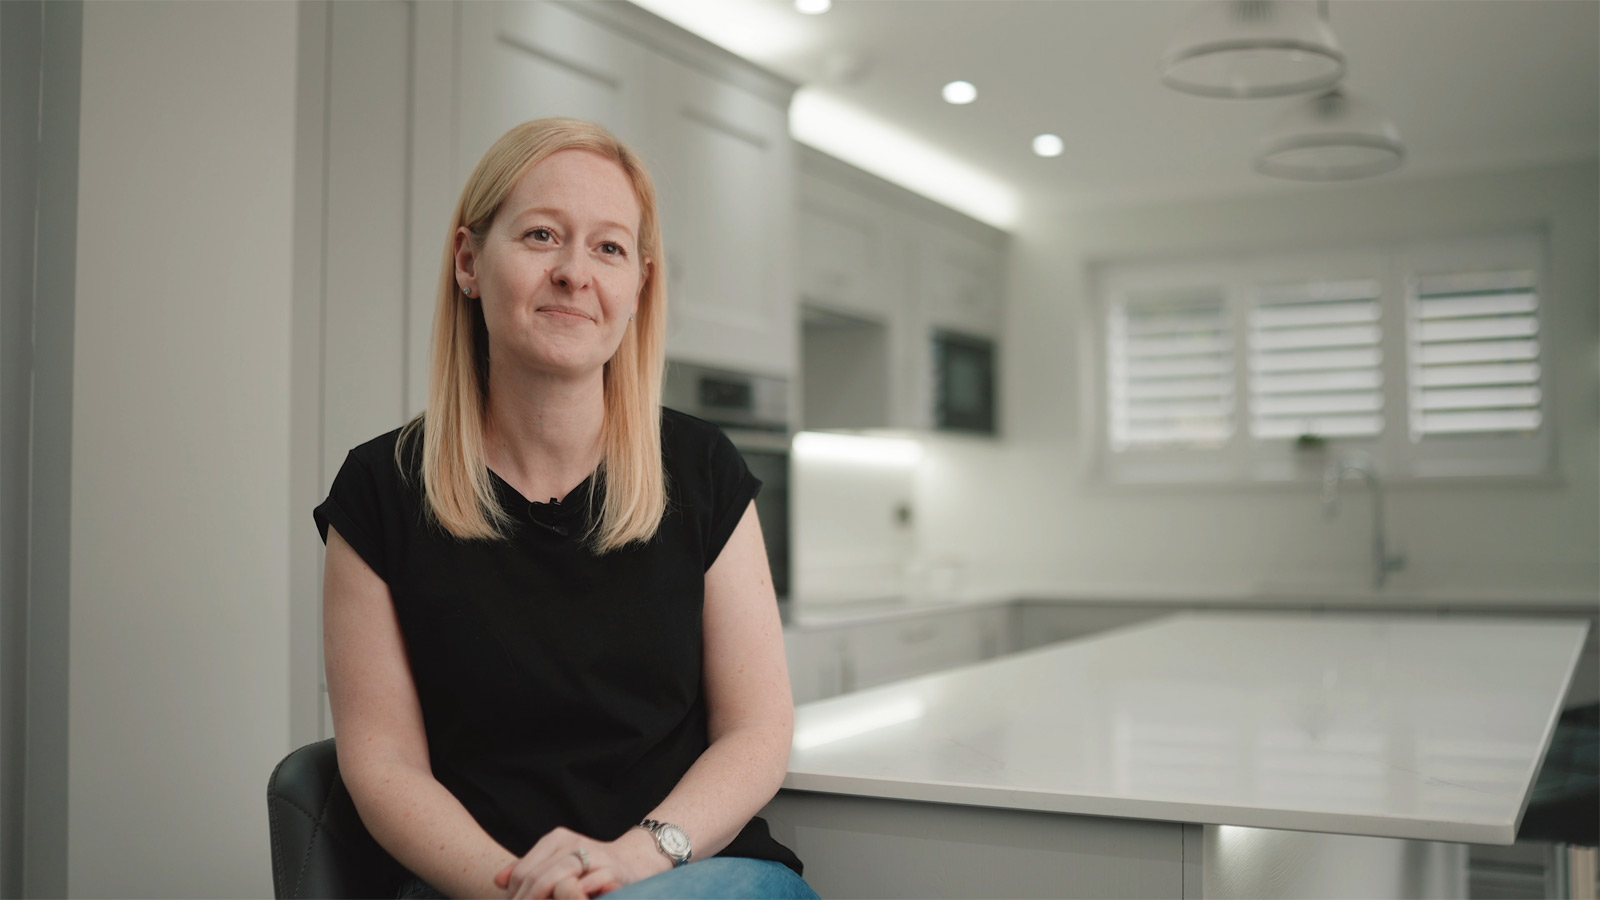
point(553, 867)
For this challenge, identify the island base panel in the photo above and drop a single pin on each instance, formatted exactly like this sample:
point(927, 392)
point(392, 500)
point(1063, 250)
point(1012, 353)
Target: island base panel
point(1247, 863)
point(871, 847)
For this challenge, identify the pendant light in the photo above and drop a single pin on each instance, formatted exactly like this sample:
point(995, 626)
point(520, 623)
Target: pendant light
point(1330, 137)
point(1254, 48)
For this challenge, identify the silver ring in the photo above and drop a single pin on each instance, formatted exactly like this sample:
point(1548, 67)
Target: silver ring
point(583, 857)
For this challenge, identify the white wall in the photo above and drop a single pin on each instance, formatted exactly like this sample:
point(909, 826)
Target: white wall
point(1026, 513)
point(851, 544)
point(180, 484)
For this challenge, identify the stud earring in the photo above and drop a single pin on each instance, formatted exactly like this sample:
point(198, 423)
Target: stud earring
point(466, 291)
point(630, 317)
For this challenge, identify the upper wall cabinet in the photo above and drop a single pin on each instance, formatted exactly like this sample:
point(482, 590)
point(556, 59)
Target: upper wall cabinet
point(725, 185)
point(911, 270)
point(712, 128)
point(847, 254)
point(960, 282)
point(522, 61)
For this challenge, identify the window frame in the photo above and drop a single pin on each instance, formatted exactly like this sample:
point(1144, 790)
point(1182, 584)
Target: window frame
point(1244, 459)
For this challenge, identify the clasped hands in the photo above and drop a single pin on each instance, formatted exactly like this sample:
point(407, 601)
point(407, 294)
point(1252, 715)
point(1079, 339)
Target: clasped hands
point(554, 869)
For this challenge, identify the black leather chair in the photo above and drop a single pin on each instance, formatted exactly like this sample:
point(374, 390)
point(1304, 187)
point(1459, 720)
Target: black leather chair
point(319, 846)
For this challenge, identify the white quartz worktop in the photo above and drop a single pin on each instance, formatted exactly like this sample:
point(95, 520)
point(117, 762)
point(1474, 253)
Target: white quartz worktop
point(809, 614)
point(1430, 729)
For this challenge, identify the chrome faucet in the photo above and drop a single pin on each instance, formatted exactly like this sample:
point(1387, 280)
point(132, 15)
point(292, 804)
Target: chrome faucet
point(1383, 562)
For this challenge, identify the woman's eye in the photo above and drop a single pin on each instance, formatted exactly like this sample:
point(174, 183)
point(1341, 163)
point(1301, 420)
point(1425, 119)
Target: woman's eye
point(611, 248)
point(539, 234)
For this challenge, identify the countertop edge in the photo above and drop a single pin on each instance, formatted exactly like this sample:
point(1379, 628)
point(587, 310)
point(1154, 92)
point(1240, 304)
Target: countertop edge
point(1153, 810)
point(1539, 604)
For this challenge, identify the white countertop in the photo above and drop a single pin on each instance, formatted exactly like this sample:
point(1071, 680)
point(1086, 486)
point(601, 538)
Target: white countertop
point(809, 614)
point(1359, 724)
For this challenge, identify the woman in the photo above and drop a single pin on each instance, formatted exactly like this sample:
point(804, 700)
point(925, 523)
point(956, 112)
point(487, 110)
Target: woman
point(553, 652)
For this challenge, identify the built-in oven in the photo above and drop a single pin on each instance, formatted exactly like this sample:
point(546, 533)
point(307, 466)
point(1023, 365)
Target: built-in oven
point(753, 410)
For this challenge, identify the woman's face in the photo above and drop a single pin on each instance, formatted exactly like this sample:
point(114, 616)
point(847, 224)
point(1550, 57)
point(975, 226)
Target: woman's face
point(559, 271)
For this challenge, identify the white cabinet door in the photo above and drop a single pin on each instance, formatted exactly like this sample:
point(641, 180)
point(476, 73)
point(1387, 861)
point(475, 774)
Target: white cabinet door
point(830, 661)
point(819, 663)
point(522, 61)
point(892, 651)
point(850, 261)
point(725, 184)
point(960, 282)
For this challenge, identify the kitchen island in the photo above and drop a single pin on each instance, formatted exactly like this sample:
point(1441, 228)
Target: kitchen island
point(1204, 754)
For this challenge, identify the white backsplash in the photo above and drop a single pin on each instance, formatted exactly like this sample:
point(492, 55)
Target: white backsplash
point(851, 541)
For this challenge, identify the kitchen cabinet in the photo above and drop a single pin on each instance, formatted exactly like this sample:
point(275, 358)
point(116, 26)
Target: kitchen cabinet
point(712, 128)
point(891, 651)
point(838, 659)
point(902, 267)
point(725, 186)
point(959, 281)
point(522, 61)
point(850, 259)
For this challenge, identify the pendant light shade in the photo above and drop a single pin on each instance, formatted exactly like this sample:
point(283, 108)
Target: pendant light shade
point(1331, 137)
point(1253, 48)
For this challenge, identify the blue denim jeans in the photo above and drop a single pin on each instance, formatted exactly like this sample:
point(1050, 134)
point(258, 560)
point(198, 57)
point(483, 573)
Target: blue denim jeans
point(718, 878)
point(721, 878)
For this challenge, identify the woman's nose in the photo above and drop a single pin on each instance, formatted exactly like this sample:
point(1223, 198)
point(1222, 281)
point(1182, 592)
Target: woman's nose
point(571, 270)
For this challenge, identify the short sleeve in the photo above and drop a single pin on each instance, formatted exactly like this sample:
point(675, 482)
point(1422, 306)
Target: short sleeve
point(732, 489)
point(355, 507)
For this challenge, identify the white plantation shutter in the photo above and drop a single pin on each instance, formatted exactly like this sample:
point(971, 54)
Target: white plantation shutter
point(1316, 359)
point(1473, 354)
point(1170, 360)
point(1425, 355)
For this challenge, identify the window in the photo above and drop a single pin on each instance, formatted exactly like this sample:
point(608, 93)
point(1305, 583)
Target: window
point(1473, 345)
point(1171, 367)
point(1316, 360)
point(1427, 357)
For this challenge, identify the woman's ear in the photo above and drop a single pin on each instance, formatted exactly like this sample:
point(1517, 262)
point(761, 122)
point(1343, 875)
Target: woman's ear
point(648, 267)
point(466, 258)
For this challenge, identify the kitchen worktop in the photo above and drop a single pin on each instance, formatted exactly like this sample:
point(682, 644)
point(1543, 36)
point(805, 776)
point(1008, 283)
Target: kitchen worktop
point(1429, 729)
point(806, 614)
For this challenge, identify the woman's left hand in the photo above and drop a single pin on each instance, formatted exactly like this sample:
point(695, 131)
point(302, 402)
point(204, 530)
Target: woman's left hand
point(554, 868)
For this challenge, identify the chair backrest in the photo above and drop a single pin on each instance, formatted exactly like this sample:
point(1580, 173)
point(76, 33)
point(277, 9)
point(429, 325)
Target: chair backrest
point(319, 846)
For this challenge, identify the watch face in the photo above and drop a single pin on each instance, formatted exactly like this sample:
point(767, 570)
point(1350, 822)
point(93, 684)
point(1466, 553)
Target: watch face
point(674, 840)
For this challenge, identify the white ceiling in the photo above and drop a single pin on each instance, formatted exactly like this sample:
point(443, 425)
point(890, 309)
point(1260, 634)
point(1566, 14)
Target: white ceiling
point(1471, 84)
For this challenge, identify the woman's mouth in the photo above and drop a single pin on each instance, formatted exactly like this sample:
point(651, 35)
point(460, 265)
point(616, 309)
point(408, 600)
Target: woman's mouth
point(566, 311)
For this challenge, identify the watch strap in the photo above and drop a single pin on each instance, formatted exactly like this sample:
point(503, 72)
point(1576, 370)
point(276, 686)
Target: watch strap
point(656, 828)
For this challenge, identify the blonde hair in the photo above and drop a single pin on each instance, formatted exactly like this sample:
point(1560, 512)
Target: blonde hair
point(460, 497)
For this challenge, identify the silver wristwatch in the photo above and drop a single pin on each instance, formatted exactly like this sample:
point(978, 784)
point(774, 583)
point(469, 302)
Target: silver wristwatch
point(672, 841)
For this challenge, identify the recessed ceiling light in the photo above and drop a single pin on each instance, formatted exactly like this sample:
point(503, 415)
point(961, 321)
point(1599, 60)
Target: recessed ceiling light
point(959, 92)
point(1048, 145)
point(813, 7)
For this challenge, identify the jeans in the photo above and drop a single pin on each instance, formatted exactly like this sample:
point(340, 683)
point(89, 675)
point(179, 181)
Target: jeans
point(718, 878)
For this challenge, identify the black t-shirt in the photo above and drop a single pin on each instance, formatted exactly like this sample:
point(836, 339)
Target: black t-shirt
point(558, 687)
